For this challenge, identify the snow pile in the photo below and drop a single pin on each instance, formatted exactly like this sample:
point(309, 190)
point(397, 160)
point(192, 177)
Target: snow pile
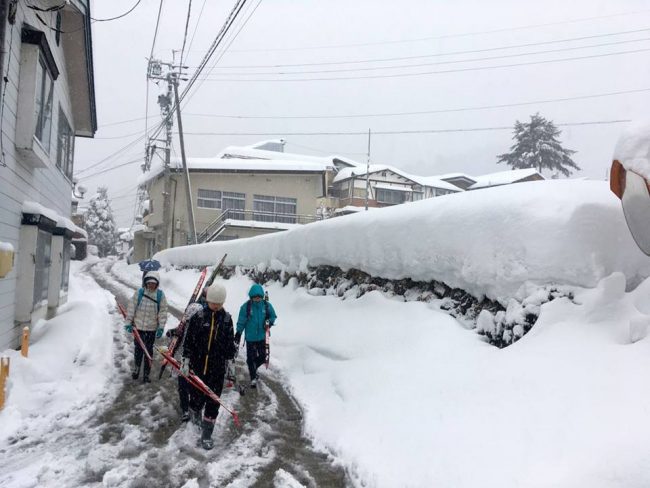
point(68, 365)
point(489, 242)
point(633, 148)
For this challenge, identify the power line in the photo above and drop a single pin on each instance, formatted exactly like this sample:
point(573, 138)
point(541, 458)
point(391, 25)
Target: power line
point(423, 112)
point(96, 173)
point(119, 16)
point(196, 26)
point(440, 54)
point(393, 132)
point(187, 25)
point(447, 36)
point(425, 73)
point(436, 63)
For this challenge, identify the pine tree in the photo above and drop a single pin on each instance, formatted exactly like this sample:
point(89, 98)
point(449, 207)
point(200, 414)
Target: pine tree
point(100, 224)
point(537, 146)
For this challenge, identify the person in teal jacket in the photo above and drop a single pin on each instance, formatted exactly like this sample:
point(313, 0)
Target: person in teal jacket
point(255, 315)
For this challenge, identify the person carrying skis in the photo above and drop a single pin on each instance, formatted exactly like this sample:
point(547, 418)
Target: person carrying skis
point(183, 387)
point(255, 315)
point(148, 313)
point(209, 343)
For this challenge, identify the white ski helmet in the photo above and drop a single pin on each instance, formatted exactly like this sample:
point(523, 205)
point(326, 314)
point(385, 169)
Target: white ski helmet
point(216, 293)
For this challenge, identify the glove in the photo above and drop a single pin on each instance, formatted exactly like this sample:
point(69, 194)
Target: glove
point(128, 328)
point(159, 333)
point(237, 338)
point(185, 366)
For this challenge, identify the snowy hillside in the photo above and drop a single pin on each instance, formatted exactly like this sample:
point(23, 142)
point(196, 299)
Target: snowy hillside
point(487, 242)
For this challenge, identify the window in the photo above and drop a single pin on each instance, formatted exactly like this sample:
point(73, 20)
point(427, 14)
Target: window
point(274, 209)
point(43, 104)
point(42, 268)
point(65, 146)
point(209, 199)
point(234, 201)
point(390, 196)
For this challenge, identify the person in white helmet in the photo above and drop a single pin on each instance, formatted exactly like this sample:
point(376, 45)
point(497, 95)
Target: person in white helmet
point(148, 313)
point(209, 343)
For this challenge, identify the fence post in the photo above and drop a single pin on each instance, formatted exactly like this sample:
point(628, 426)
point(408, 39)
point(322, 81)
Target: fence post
point(24, 343)
point(4, 373)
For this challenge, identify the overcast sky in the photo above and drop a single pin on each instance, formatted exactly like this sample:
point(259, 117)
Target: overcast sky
point(338, 39)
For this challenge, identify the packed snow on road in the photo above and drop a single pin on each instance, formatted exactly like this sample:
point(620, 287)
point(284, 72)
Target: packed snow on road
point(398, 392)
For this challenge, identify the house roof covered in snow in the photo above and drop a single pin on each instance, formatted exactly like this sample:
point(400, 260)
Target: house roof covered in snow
point(429, 181)
point(503, 178)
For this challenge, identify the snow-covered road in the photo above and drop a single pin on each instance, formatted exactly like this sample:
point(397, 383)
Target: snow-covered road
point(132, 437)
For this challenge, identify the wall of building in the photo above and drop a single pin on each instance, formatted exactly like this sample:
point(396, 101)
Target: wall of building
point(20, 179)
point(305, 188)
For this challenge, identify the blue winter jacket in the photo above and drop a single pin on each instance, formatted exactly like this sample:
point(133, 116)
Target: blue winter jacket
point(253, 324)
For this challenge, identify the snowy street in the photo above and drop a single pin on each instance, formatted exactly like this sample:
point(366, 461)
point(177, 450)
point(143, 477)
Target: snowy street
point(131, 434)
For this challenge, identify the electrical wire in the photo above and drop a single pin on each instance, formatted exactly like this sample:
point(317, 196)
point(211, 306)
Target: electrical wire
point(393, 132)
point(119, 16)
point(437, 63)
point(447, 36)
point(187, 25)
point(196, 26)
point(422, 112)
point(426, 73)
point(440, 54)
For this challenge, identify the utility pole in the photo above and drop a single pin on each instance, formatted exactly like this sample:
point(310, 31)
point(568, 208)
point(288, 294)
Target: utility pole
point(166, 108)
point(368, 171)
point(188, 187)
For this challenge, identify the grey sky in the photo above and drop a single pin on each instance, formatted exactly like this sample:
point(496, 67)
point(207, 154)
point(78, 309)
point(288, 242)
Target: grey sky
point(282, 32)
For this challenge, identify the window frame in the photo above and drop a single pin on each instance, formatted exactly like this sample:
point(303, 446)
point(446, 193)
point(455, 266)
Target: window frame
point(201, 201)
point(272, 203)
point(65, 145)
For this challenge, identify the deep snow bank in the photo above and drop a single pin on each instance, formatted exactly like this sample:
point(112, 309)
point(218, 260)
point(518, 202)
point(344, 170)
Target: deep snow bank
point(488, 242)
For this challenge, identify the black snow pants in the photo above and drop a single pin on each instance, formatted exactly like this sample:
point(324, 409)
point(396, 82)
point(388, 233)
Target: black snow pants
point(148, 337)
point(255, 356)
point(214, 381)
point(184, 389)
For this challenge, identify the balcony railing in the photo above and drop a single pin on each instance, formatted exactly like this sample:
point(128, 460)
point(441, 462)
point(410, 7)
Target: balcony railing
point(217, 226)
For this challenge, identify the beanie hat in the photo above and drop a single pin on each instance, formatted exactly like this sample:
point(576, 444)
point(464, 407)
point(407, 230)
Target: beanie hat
point(151, 276)
point(216, 293)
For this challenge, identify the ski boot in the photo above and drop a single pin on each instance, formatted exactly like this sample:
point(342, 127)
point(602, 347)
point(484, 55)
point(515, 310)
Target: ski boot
point(135, 373)
point(185, 416)
point(206, 434)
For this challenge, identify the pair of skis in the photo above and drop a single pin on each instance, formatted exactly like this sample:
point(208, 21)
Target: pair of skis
point(136, 333)
point(196, 295)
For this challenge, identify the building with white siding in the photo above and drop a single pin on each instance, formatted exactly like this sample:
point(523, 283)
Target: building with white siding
point(48, 100)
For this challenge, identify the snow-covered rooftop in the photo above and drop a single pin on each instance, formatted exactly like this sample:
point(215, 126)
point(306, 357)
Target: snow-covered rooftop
point(430, 181)
point(502, 178)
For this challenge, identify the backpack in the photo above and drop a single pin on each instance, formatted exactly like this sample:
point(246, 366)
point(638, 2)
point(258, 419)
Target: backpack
point(159, 295)
point(266, 310)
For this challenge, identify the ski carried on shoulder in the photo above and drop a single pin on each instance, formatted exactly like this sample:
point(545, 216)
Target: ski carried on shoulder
point(136, 333)
point(197, 383)
point(180, 328)
point(196, 295)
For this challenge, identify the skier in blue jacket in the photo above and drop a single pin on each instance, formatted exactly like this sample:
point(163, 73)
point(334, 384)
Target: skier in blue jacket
point(255, 315)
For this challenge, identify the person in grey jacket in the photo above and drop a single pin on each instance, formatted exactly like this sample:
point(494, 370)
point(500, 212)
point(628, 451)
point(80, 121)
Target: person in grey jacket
point(147, 312)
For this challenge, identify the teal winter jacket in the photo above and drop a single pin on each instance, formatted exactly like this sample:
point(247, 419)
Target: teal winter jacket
point(253, 314)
